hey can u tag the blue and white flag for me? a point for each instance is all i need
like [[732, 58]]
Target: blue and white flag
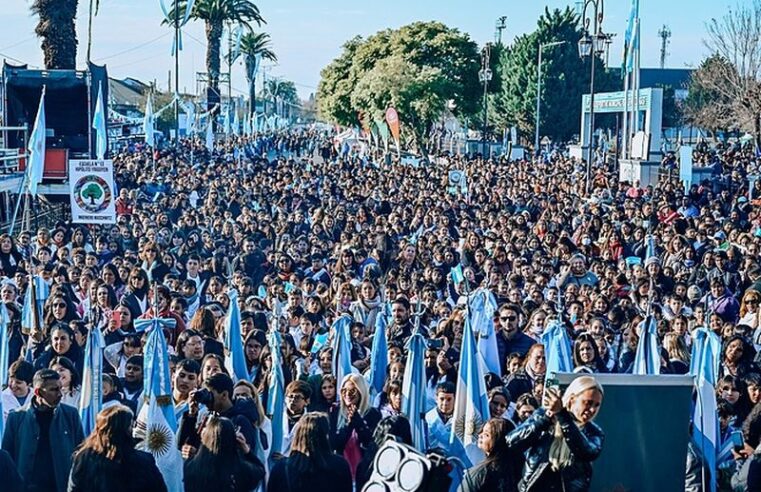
[[148, 122], [37, 148], [414, 390], [276, 393], [4, 355], [647, 360], [471, 408], [227, 124], [633, 48], [630, 30], [99, 125], [156, 421], [236, 122], [704, 365], [457, 275], [235, 358], [91, 397], [37, 295], [342, 348], [482, 307], [378, 355], [557, 349], [210, 135], [650, 251]]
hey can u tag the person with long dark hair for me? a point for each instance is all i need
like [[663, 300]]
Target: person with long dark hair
[[225, 462], [495, 473], [394, 427], [312, 466], [107, 460]]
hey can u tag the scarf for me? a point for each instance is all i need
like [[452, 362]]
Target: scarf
[[560, 454]]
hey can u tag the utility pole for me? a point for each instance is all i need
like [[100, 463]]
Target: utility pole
[[664, 34], [501, 26]]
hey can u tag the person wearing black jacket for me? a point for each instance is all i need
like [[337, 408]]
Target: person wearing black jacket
[[225, 462], [107, 461], [353, 422], [242, 412], [560, 440], [312, 466]]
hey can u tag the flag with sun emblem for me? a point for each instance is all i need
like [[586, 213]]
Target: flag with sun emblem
[[471, 408], [161, 442], [156, 423]]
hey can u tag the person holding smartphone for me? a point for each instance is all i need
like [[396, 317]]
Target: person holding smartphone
[[560, 439]]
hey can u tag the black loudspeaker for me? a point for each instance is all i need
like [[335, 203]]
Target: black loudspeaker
[[401, 468]]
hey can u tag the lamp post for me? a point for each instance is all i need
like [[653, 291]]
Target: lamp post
[[592, 44], [539, 90], [484, 75]]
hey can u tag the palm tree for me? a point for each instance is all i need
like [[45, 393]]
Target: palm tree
[[215, 13], [94, 6], [56, 27], [253, 45]]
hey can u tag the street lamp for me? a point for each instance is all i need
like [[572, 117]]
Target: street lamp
[[539, 90], [592, 44], [484, 75]]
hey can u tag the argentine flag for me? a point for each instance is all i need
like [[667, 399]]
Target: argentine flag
[[156, 421], [471, 408], [37, 148], [647, 360], [235, 359], [378, 355], [276, 394], [557, 349], [482, 309], [91, 397], [99, 125], [414, 390], [342, 348], [704, 365]]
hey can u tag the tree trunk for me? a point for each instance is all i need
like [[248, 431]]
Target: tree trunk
[[251, 83], [213, 40], [56, 27], [89, 31]]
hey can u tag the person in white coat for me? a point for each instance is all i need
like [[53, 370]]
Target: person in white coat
[[19, 390]]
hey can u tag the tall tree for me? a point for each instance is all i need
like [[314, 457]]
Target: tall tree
[[282, 90], [736, 38], [215, 13], [417, 68], [705, 106], [255, 45], [565, 78], [57, 29]]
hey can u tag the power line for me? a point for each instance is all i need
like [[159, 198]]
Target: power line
[[132, 49], [18, 43], [17, 60], [137, 61]]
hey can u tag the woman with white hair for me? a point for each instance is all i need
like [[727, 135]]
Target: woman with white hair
[[560, 440], [353, 422]]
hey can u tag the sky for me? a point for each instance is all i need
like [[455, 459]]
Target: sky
[[307, 34]]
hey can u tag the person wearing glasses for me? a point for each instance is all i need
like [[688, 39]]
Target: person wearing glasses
[[297, 398], [510, 339], [136, 294]]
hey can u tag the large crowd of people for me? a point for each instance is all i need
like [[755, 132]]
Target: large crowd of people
[[307, 231]]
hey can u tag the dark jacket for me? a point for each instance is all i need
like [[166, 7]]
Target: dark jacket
[[535, 436], [364, 425], [22, 433], [243, 414], [293, 474], [12, 481], [93, 472], [520, 343], [496, 477]]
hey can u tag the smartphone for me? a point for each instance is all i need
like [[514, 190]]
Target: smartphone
[[737, 441], [117, 317], [551, 382]]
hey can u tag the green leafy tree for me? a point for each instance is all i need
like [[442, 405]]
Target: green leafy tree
[[285, 90], [214, 13], [565, 78], [254, 44], [92, 192], [56, 26], [417, 69]]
